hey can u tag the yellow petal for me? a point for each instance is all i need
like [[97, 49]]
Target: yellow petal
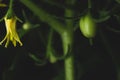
[[11, 34]]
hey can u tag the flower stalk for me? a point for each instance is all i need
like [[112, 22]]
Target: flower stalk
[[11, 4]]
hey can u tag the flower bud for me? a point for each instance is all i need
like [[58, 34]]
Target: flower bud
[[26, 26]]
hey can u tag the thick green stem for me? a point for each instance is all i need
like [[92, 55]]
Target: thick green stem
[[69, 62], [69, 68], [44, 16]]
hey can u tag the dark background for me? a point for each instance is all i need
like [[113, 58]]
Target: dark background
[[97, 62]]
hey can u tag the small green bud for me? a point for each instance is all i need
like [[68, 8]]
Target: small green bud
[[26, 26]]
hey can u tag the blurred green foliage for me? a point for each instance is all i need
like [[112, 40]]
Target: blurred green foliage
[[101, 61]]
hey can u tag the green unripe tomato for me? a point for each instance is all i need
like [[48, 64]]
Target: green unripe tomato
[[87, 26]]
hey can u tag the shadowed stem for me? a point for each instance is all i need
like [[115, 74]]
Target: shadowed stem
[[44, 16]]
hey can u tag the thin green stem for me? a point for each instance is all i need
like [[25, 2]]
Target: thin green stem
[[50, 50], [49, 41], [25, 17], [89, 4], [91, 41], [44, 16], [11, 4]]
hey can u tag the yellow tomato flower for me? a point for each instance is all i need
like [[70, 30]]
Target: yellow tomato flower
[[11, 34]]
